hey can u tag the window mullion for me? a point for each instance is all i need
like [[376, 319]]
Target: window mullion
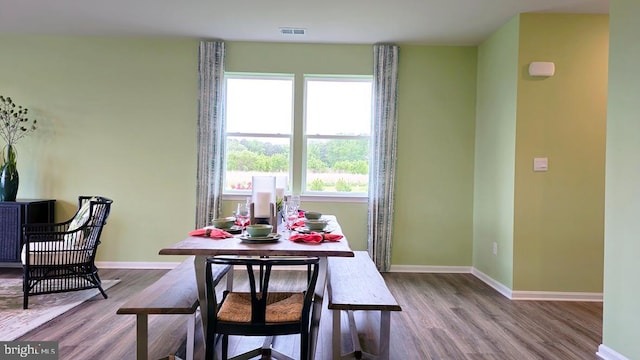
[[298, 144]]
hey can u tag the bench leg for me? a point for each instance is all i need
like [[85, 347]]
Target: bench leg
[[142, 336], [353, 331], [383, 344], [336, 343], [385, 324], [191, 330]]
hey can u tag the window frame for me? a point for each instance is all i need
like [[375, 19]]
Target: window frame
[[298, 138], [306, 137], [227, 134]]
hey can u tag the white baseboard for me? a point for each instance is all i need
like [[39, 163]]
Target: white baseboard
[[430, 269], [556, 296], [501, 288], [496, 285], [607, 353], [536, 295], [135, 265]]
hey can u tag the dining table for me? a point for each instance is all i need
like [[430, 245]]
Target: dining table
[[203, 247]]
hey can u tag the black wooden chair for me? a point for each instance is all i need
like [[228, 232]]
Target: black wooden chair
[[59, 257], [260, 312]]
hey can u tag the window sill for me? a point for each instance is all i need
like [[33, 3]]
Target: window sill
[[311, 198]]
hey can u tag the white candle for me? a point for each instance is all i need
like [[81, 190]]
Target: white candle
[[262, 205], [279, 193]]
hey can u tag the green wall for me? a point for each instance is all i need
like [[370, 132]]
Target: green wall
[[548, 226], [117, 118], [559, 214], [495, 146], [434, 179], [621, 329]]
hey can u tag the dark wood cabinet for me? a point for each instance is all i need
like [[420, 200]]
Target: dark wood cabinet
[[13, 214]]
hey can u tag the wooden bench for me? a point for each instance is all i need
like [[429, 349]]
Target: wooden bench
[[176, 292], [355, 284]]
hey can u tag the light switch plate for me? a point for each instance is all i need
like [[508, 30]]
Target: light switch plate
[[540, 164]]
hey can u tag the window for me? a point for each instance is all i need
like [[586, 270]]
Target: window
[[337, 132], [259, 117], [330, 137]]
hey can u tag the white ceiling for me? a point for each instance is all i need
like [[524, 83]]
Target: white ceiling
[[434, 22]]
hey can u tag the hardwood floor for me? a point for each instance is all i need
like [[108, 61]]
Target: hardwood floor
[[445, 316], [456, 316]]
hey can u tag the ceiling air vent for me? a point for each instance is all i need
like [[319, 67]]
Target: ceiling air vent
[[292, 31]]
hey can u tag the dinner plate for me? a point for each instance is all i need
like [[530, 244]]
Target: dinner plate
[[306, 230], [235, 229], [260, 239]]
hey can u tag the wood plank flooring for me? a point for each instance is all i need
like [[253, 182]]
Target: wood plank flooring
[[445, 316]]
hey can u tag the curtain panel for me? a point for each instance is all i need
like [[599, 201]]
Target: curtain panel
[[383, 154], [210, 132]]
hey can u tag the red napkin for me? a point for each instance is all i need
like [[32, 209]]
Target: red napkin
[[332, 237], [313, 238], [299, 223], [211, 233]]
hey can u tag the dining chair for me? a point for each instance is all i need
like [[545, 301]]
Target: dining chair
[[260, 311]]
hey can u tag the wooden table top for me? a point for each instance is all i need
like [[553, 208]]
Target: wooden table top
[[235, 246]]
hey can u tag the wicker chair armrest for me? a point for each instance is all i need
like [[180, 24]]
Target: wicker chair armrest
[[44, 228]]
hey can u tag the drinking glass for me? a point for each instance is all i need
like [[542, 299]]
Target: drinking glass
[[291, 215], [243, 215], [295, 201]]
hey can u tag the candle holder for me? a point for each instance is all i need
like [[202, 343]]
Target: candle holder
[[263, 200]]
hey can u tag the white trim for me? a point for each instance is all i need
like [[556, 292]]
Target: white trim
[[135, 265], [606, 353], [429, 269], [498, 286], [333, 197], [536, 295], [556, 296], [330, 197]]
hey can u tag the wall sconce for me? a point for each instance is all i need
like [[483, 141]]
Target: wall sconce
[[540, 68]]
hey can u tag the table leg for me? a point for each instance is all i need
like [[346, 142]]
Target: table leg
[[142, 336], [316, 311], [230, 280]]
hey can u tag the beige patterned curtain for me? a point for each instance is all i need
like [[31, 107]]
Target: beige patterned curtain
[[383, 154], [210, 132]]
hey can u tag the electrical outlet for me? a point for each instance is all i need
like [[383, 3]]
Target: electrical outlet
[[495, 248]]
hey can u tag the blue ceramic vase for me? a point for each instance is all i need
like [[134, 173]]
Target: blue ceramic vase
[[9, 175]]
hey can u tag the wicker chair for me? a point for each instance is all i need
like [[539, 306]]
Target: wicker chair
[[59, 257], [260, 312]]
